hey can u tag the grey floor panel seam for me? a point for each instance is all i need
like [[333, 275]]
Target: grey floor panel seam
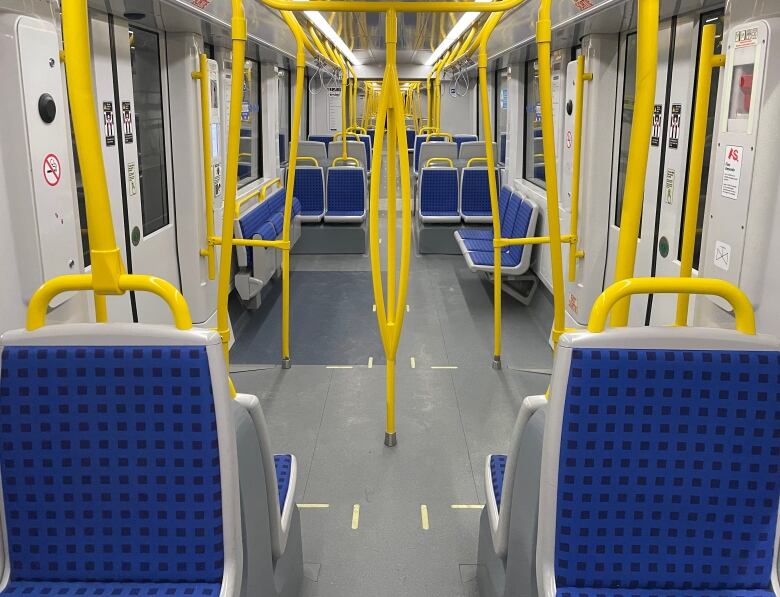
[[317, 437], [465, 437]]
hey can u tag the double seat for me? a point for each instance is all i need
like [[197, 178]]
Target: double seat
[[518, 216], [329, 187], [263, 221]]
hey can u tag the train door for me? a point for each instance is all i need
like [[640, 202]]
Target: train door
[[623, 121], [666, 259], [130, 78]]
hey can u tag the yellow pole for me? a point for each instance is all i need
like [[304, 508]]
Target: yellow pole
[[707, 61], [300, 73], [344, 99], [429, 98], [107, 264], [543, 39], [490, 25], [574, 252], [437, 90], [202, 75], [633, 198], [238, 34]]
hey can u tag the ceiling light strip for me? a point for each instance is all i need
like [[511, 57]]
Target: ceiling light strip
[[465, 21], [320, 23]]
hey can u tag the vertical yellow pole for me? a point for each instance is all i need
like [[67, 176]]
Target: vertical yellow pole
[[429, 97], [202, 75], [238, 34], [490, 25], [106, 259], [574, 252], [639, 147], [707, 61], [344, 100], [543, 39]]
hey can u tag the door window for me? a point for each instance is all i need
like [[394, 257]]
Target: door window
[[149, 131], [283, 79], [501, 111], [629, 88], [715, 18], [533, 168], [249, 151]]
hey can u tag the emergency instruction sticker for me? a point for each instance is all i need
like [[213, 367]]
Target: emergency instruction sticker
[[732, 171], [658, 111], [674, 126], [109, 127]]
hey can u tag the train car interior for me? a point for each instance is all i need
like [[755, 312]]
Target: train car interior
[[351, 298]]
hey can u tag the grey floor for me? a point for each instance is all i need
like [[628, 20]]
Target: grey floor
[[452, 410]]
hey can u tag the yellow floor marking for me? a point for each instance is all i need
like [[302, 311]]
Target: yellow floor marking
[[374, 308], [424, 517], [412, 362], [370, 362], [445, 367], [407, 308], [338, 366], [467, 506], [355, 516], [313, 506]]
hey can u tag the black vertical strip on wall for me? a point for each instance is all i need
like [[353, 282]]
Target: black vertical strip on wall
[[662, 163], [120, 147]]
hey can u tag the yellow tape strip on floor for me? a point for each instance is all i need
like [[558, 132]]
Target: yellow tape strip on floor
[[355, 516], [424, 517], [312, 506]]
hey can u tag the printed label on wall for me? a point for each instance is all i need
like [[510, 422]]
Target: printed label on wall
[[732, 172], [674, 126], [109, 127], [722, 255], [658, 111], [132, 179], [669, 186], [127, 122]]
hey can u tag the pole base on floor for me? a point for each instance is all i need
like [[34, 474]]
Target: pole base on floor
[[390, 439], [286, 363], [496, 363]]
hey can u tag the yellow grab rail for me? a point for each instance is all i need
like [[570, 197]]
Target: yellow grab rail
[[346, 159], [447, 136], [244, 199], [307, 158], [447, 161], [707, 61], [574, 252], [202, 75], [475, 160], [347, 134], [426, 130], [39, 303], [263, 190], [639, 147], [612, 296], [355, 129]]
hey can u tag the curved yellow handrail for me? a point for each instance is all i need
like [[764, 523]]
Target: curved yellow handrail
[[307, 158], [39, 303], [438, 134], [743, 309], [428, 129], [357, 130], [347, 134], [347, 159], [447, 161], [477, 159], [263, 190]]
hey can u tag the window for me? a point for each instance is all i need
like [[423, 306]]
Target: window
[[501, 111], [149, 132], [283, 82], [706, 19], [81, 203], [629, 87], [533, 166], [249, 148]]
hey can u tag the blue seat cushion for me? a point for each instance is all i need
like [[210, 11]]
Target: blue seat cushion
[[669, 470], [439, 192], [475, 192], [486, 258], [110, 464], [478, 244], [497, 469], [476, 234], [345, 212], [109, 589], [283, 465]]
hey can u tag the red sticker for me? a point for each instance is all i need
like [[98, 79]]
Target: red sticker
[[52, 171]]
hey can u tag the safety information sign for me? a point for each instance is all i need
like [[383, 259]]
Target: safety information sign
[[109, 127], [658, 111], [732, 172], [52, 171], [674, 126], [722, 255], [127, 122], [669, 186]]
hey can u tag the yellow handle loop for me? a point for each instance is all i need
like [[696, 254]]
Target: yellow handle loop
[[743, 309], [307, 158], [475, 160], [347, 135], [263, 190], [439, 134], [433, 161], [347, 159]]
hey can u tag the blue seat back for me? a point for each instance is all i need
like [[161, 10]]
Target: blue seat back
[[346, 190], [475, 192], [509, 215], [310, 189], [410, 135], [668, 475], [252, 220], [439, 191], [502, 148], [367, 141], [520, 226], [463, 139], [110, 464], [326, 139]]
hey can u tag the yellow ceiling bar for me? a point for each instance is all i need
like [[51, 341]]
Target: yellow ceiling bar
[[395, 6]]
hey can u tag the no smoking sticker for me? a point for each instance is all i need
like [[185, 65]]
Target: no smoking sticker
[[52, 171]]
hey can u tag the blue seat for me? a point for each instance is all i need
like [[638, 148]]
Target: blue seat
[[657, 469], [463, 139], [475, 195], [418, 141], [410, 135], [438, 195], [283, 464], [466, 234], [326, 139], [346, 194], [367, 141], [310, 192], [497, 464]]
